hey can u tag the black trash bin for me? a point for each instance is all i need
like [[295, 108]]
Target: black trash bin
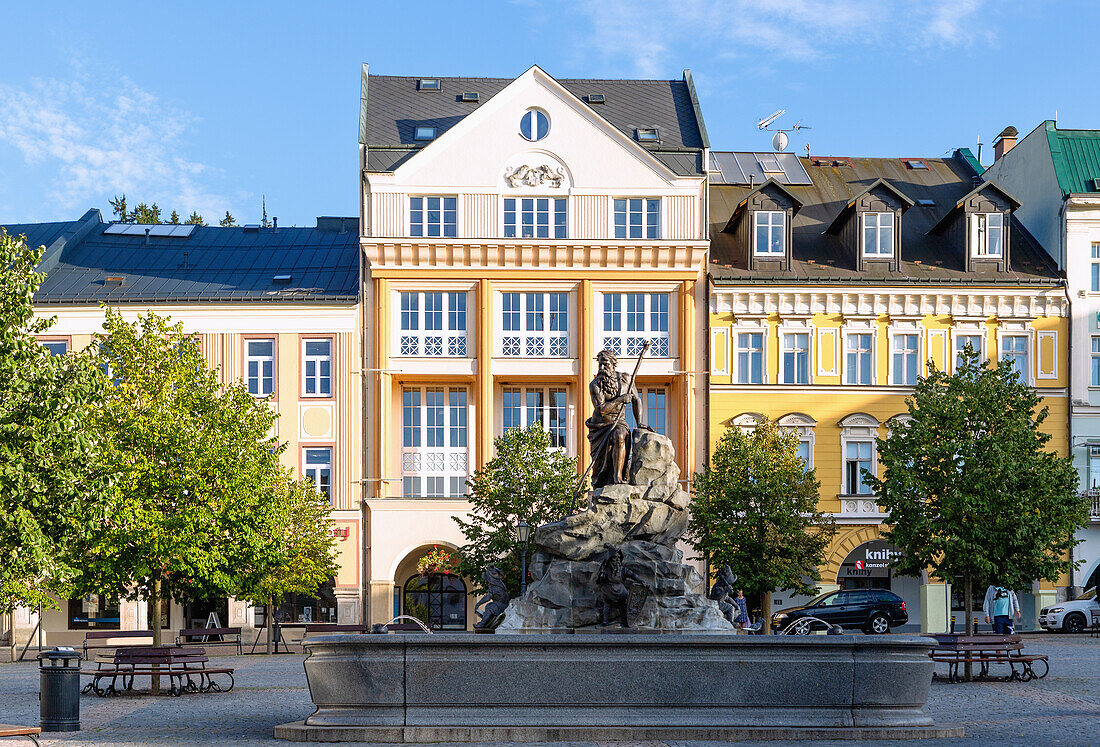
[[59, 690]]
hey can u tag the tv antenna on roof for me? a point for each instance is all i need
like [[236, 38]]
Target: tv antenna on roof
[[779, 139]]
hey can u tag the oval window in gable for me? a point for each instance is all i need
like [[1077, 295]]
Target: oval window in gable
[[534, 125]]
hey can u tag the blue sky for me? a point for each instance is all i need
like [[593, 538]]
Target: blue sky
[[207, 106]]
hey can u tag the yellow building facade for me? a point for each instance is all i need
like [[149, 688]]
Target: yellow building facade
[[829, 339], [502, 250]]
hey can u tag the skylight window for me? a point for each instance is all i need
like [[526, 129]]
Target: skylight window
[[424, 133], [596, 98], [429, 84], [915, 163], [926, 203], [473, 96], [647, 135], [769, 163]]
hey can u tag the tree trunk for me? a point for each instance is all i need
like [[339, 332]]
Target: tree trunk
[[766, 612], [268, 621], [154, 601], [968, 605]]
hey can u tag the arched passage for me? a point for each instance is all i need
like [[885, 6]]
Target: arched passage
[[440, 600]]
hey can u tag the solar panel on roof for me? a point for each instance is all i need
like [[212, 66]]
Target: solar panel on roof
[[140, 229]]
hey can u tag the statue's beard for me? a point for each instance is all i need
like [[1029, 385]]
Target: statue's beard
[[607, 383]]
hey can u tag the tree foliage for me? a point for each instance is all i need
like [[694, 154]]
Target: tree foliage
[[971, 488], [525, 480], [52, 478], [194, 507], [150, 214], [755, 510], [228, 221]]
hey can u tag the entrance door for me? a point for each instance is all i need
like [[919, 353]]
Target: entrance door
[[436, 599]]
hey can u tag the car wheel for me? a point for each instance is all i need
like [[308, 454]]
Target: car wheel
[[1074, 623], [801, 627], [878, 624]]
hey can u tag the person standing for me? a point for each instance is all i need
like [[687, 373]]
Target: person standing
[[742, 607], [1000, 605]]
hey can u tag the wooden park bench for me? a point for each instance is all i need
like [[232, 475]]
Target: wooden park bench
[[180, 664], [11, 730], [227, 635], [323, 628], [106, 635], [984, 650]]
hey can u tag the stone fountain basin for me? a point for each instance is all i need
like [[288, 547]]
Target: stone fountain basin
[[533, 687]]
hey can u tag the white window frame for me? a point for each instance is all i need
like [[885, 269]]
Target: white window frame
[[445, 462], [785, 332], [858, 428], [648, 207], [1092, 476], [425, 226], [802, 426], [849, 333], [434, 343], [648, 411], [626, 342], [1094, 267], [259, 360], [317, 376], [980, 228], [518, 226], [568, 412], [738, 374], [1094, 361], [966, 331], [771, 227], [893, 372], [525, 342], [880, 231], [315, 472], [1029, 351]]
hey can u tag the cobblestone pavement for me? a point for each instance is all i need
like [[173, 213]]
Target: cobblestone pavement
[[1064, 708]]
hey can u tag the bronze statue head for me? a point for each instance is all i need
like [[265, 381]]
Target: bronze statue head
[[607, 361]]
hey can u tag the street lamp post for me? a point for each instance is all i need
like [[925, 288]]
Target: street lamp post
[[523, 533]]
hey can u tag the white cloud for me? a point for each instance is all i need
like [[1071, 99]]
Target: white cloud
[[648, 31], [105, 138]]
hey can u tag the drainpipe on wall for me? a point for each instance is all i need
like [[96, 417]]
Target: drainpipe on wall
[[1069, 415]]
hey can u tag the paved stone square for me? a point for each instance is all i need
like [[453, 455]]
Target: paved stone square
[[1064, 708]]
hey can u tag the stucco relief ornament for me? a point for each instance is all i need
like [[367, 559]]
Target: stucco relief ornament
[[527, 176]]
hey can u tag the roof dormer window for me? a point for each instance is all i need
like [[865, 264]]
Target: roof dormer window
[[770, 233], [424, 133], [987, 234], [878, 234]]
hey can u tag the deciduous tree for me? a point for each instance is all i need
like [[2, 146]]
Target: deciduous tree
[[194, 463], [52, 478], [525, 480], [972, 489], [756, 510]]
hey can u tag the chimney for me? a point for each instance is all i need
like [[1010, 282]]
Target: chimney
[[1005, 142]]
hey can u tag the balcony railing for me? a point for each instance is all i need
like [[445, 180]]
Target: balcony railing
[[1094, 505]]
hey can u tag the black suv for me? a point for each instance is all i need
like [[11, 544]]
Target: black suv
[[873, 610]]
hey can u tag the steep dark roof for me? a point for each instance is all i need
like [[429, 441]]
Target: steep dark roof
[[819, 256], [212, 264], [394, 108]]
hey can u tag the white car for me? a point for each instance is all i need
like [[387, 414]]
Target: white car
[[1070, 617]]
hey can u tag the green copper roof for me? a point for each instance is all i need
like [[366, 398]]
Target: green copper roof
[[1076, 156]]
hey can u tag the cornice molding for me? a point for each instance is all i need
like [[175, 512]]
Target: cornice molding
[[534, 255], [960, 303]]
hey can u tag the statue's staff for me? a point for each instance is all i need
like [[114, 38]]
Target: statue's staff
[[630, 388]]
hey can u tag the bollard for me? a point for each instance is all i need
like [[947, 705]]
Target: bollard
[[59, 690]]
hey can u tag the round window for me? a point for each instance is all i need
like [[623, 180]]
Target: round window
[[534, 125]]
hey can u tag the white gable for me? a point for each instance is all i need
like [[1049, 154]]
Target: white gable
[[486, 152]]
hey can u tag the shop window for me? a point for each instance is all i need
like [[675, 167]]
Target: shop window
[[94, 612]]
